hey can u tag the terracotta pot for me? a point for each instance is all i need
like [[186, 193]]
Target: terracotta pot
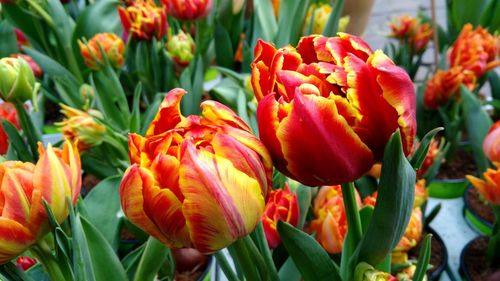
[[477, 222]]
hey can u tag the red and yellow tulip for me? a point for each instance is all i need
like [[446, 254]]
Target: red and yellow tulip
[[188, 9], [444, 85], [23, 187], [475, 50], [411, 29], [330, 221], [7, 112], [491, 143], [413, 232], [281, 205], [327, 108], [112, 46], [196, 181], [37, 70], [489, 188], [144, 20]]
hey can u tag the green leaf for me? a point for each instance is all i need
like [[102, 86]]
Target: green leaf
[[17, 142], [289, 271], [8, 44], [393, 209], [304, 196], [477, 123], [38, 273], [423, 259], [153, 258], [310, 258], [418, 156], [291, 17], [104, 10], [491, 17], [9, 271], [265, 22], [224, 52], [95, 254], [332, 25], [494, 80], [131, 261], [466, 11], [102, 204], [135, 115]]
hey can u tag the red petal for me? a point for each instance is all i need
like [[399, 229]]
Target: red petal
[[169, 113]]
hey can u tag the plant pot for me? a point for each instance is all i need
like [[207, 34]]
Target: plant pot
[[447, 188], [439, 254], [473, 263], [477, 214]]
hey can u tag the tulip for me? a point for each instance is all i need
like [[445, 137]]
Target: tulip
[[421, 194], [413, 232], [489, 188], [144, 20], [330, 221], [181, 48], [366, 272], [81, 127], [188, 9], [431, 156], [25, 262], [281, 205], [318, 14], [18, 81], [196, 181], [327, 108], [21, 39], [112, 46], [475, 50], [37, 70], [23, 187], [491, 143], [411, 30], [7, 112], [445, 85]]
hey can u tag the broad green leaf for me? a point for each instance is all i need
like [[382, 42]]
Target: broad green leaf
[[153, 258], [131, 261], [423, 259], [135, 115], [291, 15], [390, 218], [38, 273], [17, 142], [332, 25], [418, 156], [8, 44], [265, 22], [102, 204], [289, 271], [477, 123], [9, 271], [304, 197], [466, 11], [109, 21], [491, 17], [494, 80], [224, 52], [310, 258]]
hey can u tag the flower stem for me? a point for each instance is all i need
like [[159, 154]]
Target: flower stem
[[352, 213], [29, 129], [225, 266], [43, 253], [245, 260], [41, 12], [266, 253]]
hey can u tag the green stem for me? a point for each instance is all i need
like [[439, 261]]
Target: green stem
[[245, 260], [29, 129], [225, 266], [113, 141], [266, 253], [43, 253], [41, 12], [352, 214], [264, 269], [493, 252]]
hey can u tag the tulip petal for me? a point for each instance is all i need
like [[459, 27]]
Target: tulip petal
[[17, 186], [220, 114], [14, 239], [314, 123], [221, 203], [169, 113], [261, 81], [330, 236]]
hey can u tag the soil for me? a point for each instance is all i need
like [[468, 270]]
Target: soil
[[438, 255], [474, 261], [479, 206], [462, 164]]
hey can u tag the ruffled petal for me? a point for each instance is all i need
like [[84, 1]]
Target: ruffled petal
[[169, 113]]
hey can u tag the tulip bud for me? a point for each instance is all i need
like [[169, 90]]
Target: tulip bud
[[188, 9], [318, 14], [489, 188], [281, 205], [181, 48], [112, 47], [413, 232], [81, 127], [21, 39], [7, 112], [144, 20], [34, 66], [18, 82], [87, 93], [366, 272], [491, 143], [25, 262]]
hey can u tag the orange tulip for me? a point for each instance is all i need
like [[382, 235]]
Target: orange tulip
[[7, 112], [411, 29], [421, 194], [144, 20], [413, 232], [112, 46], [489, 188], [281, 205], [491, 143], [188, 9], [330, 221], [23, 187], [445, 84], [330, 100], [475, 50], [197, 182]]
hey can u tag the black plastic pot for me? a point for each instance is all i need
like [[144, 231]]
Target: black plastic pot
[[436, 274], [475, 221]]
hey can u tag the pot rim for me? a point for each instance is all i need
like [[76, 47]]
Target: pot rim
[[468, 208], [442, 267], [461, 269]]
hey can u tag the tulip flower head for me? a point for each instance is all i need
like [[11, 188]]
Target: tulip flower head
[[413, 232], [366, 272], [81, 127], [491, 143], [18, 82], [489, 188], [328, 107], [445, 84], [188, 9], [330, 221], [197, 182], [23, 187], [37, 70], [21, 38], [181, 48], [7, 112], [281, 205], [475, 50], [25, 262], [411, 30], [318, 14], [144, 20], [112, 46], [421, 194]]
